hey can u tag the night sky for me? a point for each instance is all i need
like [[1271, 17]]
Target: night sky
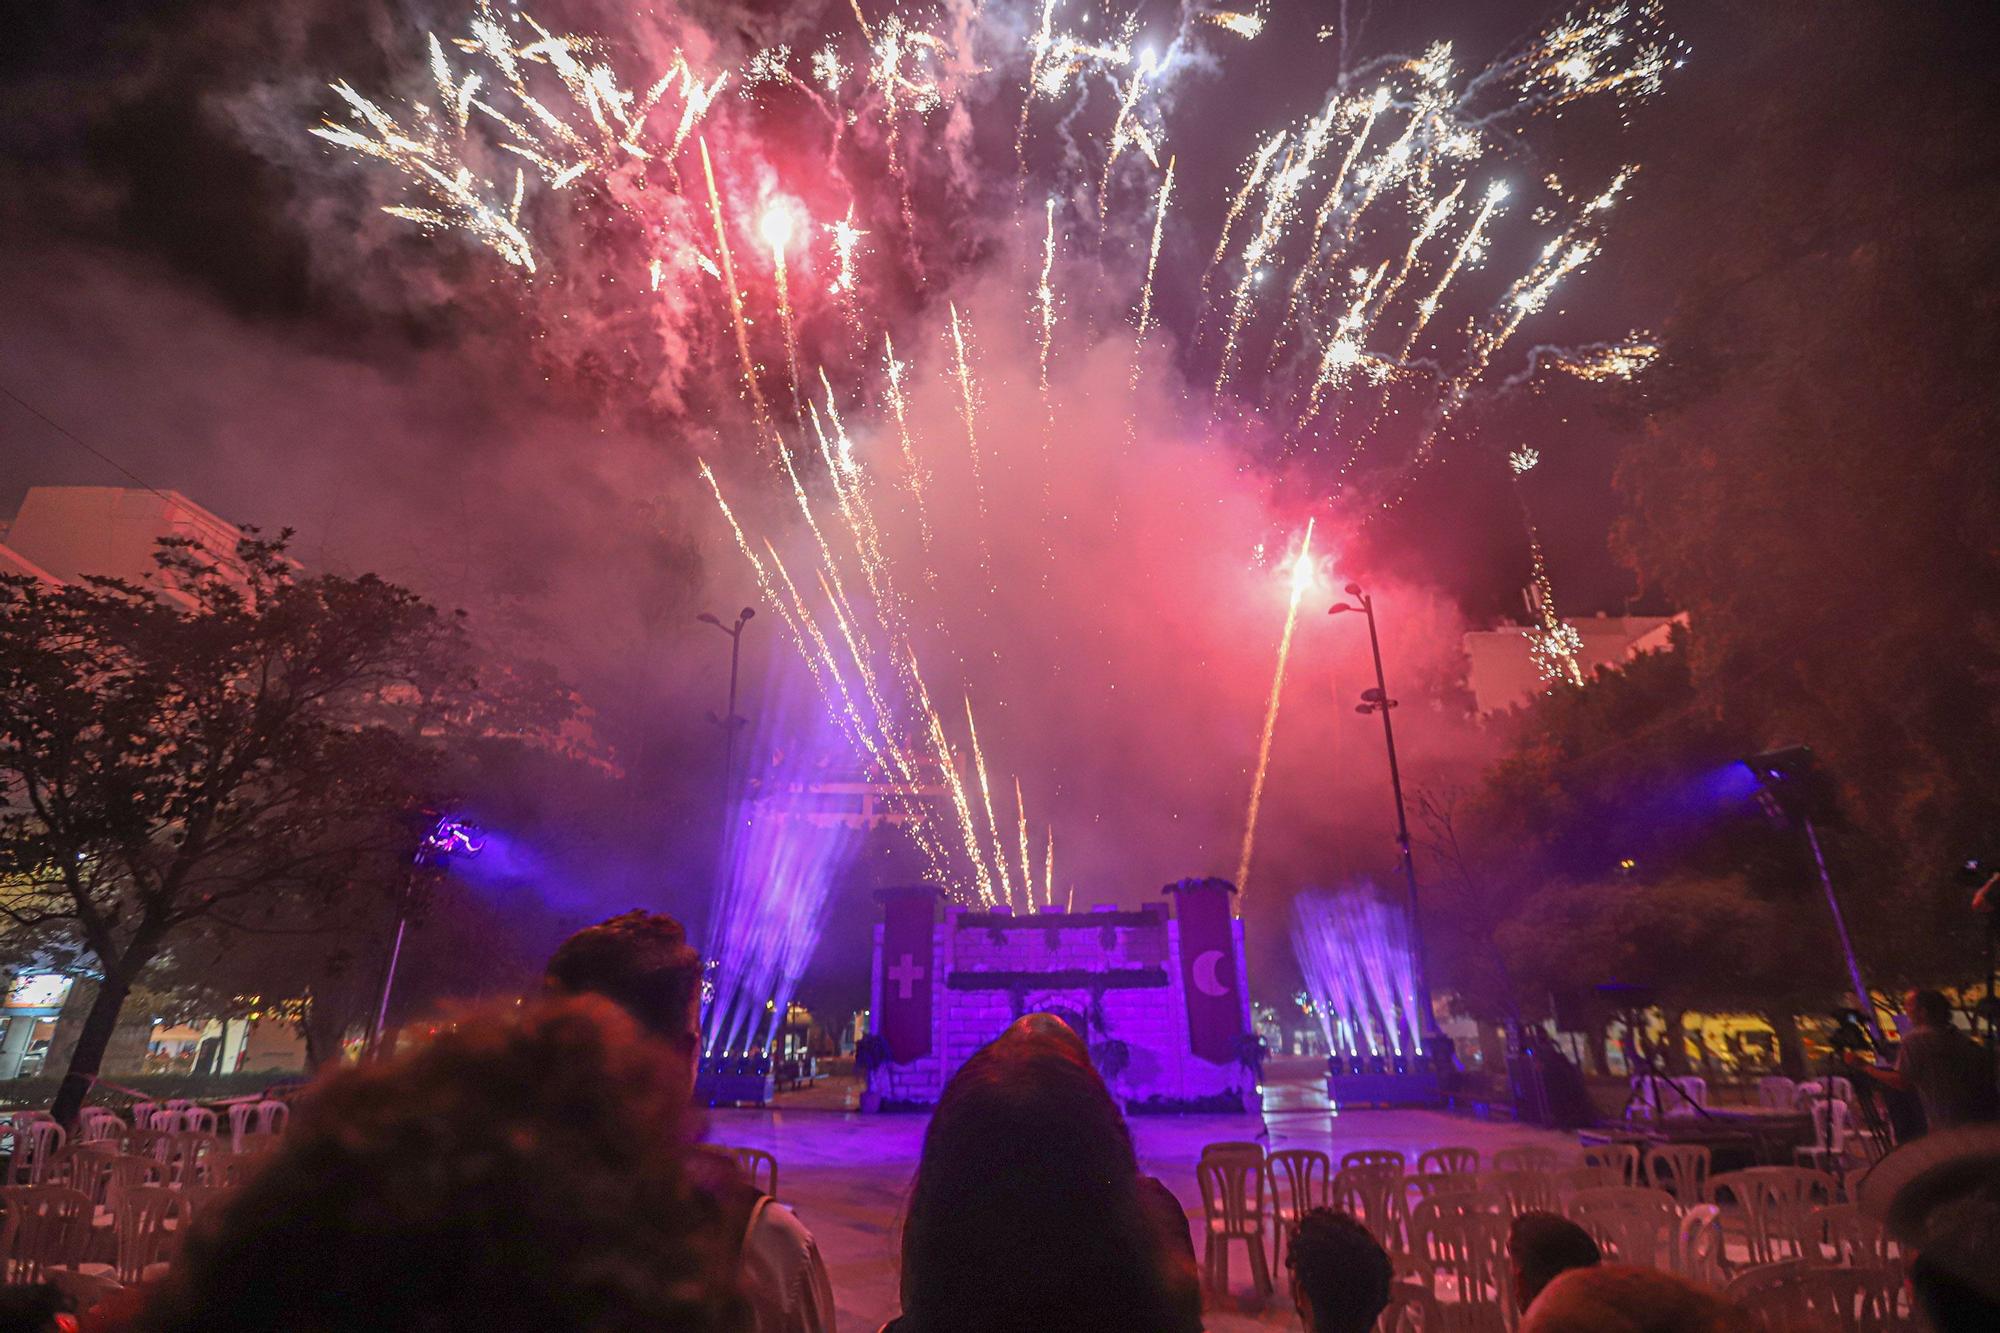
[[208, 297]]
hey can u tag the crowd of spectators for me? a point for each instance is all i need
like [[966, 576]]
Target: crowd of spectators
[[537, 1167]]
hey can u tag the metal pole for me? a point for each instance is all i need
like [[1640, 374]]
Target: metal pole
[[729, 721], [381, 1023], [1861, 992], [1402, 830]]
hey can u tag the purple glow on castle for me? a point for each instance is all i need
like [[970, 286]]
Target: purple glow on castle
[[1355, 953], [780, 863]]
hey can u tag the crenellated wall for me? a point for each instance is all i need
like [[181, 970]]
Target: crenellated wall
[[1115, 972]]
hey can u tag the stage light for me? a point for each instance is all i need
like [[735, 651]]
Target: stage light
[[1791, 784]]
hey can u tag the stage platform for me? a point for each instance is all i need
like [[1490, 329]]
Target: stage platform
[[848, 1174]]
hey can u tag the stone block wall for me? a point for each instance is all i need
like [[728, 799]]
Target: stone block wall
[[992, 967]]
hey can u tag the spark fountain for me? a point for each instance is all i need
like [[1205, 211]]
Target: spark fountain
[[1354, 951], [781, 859]]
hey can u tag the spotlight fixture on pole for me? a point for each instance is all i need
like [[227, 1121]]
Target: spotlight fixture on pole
[[1793, 789], [447, 838], [1377, 700]]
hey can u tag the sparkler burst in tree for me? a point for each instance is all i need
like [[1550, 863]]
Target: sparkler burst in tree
[[786, 242]]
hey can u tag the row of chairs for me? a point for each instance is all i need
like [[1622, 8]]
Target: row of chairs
[[52, 1231], [108, 1210], [1446, 1221], [39, 1141]]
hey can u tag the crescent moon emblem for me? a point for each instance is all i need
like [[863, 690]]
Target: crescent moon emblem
[[1205, 979]]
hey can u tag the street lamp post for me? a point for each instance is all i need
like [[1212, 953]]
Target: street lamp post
[[729, 722], [1377, 700]]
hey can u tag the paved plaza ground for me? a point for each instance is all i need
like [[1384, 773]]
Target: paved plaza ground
[[848, 1174]]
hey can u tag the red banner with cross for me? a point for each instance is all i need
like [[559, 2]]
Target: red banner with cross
[[906, 964], [1208, 967]]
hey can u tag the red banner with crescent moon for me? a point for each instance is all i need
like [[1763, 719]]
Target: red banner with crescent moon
[[1209, 973], [906, 964]]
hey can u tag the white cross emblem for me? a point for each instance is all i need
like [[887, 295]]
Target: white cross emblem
[[904, 974]]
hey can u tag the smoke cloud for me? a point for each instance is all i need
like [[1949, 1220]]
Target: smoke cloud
[[1108, 593]]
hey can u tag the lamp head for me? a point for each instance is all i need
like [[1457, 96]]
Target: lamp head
[[708, 619], [747, 613], [1353, 590]]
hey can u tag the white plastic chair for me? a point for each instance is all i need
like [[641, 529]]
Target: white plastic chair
[[1692, 1093], [1232, 1203], [152, 1220], [1301, 1179], [37, 1142], [1378, 1196], [1527, 1159], [1843, 1088], [48, 1227], [248, 1120], [197, 1120], [1698, 1255], [1524, 1191], [1803, 1294], [1775, 1092], [1633, 1226], [1828, 1149], [99, 1123], [1437, 1161], [1772, 1207], [1622, 1157], [1681, 1169], [1853, 1237], [1460, 1243]]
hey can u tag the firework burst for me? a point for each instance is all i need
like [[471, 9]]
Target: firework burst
[[1378, 261]]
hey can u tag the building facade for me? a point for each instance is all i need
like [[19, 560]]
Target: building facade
[[1501, 667]]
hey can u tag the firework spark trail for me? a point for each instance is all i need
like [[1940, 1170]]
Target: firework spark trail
[[1038, 47], [1335, 192], [1468, 245], [588, 139], [845, 287], [1561, 257], [1302, 581], [961, 804], [845, 473], [968, 407], [1280, 194], [839, 587], [986, 800], [1045, 316], [1122, 132], [1027, 862], [1146, 291], [1260, 164], [913, 468], [1244, 24], [883, 752], [824, 668], [758, 407], [777, 230], [1345, 352]]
